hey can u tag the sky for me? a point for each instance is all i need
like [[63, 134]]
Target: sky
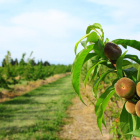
[[51, 28]]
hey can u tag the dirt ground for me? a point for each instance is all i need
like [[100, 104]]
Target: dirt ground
[[81, 125]]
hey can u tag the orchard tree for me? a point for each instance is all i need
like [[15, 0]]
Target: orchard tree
[[46, 63], [127, 84], [3, 62]]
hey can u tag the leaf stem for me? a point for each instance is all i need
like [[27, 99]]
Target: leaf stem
[[113, 63], [99, 35]]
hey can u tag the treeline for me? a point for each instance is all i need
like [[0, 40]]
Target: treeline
[[12, 72], [16, 62]]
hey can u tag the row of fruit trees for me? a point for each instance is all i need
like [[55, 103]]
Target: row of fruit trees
[[25, 70]]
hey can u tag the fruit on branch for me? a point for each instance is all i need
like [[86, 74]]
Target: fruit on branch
[[112, 51], [130, 107], [125, 88], [138, 89], [137, 108]]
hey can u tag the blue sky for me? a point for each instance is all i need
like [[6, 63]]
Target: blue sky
[[50, 28]]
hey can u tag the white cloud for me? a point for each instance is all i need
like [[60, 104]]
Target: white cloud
[[121, 10], [53, 22], [48, 34], [15, 32]]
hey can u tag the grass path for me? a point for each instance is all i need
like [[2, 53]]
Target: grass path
[[36, 115]]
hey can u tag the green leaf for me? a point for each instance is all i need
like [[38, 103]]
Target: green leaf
[[84, 43], [131, 73], [126, 42], [93, 37], [107, 40], [92, 27], [134, 120], [133, 57], [99, 49], [90, 70], [93, 87], [108, 64], [76, 45], [103, 121], [113, 83], [99, 80], [76, 69], [126, 63], [101, 109], [138, 123], [138, 75], [102, 97], [126, 122], [89, 64], [135, 133], [96, 71], [119, 64], [89, 56]]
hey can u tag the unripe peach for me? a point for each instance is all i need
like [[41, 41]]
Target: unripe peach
[[125, 88], [137, 108], [130, 107], [112, 51], [138, 89]]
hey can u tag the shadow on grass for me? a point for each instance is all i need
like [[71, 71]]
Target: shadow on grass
[[26, 129], [17, 115], [47, 94], [49, 125]]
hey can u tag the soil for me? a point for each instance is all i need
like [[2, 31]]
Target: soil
[[81, 123]]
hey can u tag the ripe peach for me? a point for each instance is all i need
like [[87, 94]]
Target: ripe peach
[[112, 51], [125, 88], [130, 107], [138, 89], [137, 108]]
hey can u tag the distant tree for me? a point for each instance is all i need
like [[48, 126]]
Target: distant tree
[[3, 62], [8, 58], [22, 61], [32, 62], [38, 63], [16, 61], [46, 63], [12, 62]]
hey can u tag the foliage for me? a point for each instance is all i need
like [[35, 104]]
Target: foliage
[[93, 51], [11, 73]]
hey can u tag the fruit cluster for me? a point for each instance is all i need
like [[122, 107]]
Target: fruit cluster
[[127, 89], [124, 87]]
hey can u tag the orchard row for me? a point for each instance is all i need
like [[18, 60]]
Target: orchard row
[[13, 74]]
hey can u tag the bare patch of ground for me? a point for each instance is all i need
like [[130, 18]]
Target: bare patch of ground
[[6, 95], [82, 125]]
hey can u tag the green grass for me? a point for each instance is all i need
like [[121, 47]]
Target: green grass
[[36, 115]]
